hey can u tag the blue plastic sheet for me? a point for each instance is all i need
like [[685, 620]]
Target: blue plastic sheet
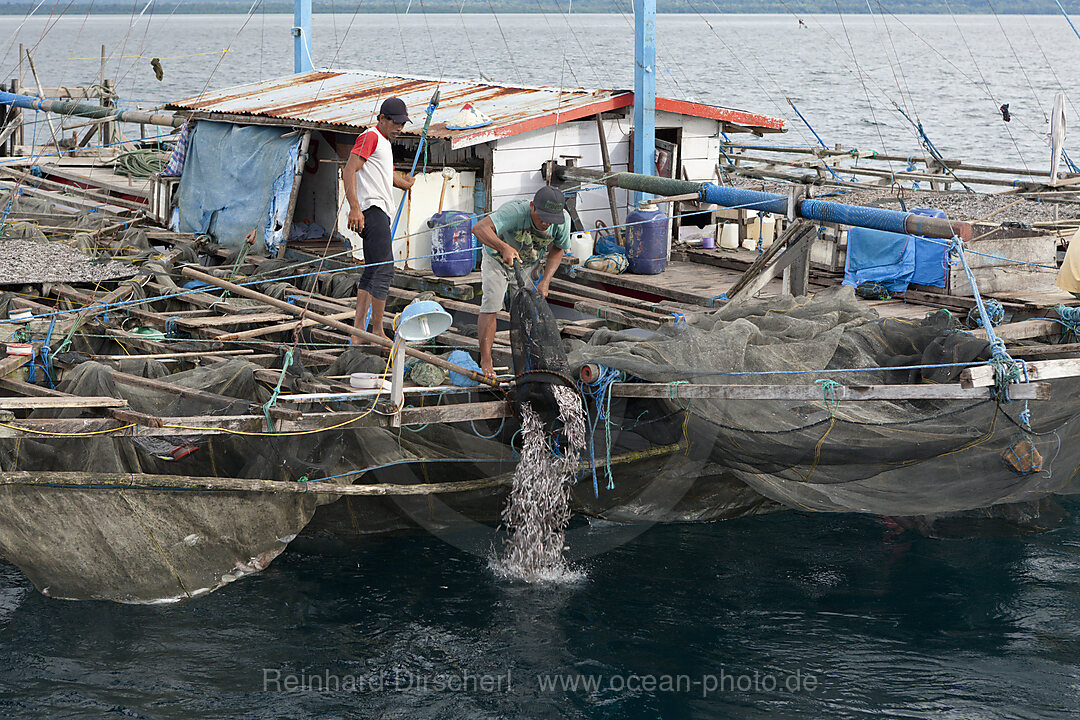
[[237, 178], [894, 260], [464, 359], [881, 257]]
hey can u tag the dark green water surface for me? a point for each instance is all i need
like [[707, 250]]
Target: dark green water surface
[[780, 616]]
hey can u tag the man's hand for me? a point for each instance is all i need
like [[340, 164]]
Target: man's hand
[[509, 255], [543, 287], [403, 181], [356, 220]]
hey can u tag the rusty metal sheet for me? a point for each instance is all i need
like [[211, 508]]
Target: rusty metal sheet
[[349, 99]]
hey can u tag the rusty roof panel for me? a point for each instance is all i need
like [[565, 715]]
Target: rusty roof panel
[[350, 99]]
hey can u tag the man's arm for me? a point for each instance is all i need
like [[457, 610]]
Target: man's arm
[[348, 179], [403, 181], [485, 233], [554, 259]]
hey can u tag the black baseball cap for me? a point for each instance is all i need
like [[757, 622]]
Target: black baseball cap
[[394, 108], [549, 203]]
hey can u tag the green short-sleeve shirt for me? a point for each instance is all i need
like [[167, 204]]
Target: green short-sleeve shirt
[[513, 224]]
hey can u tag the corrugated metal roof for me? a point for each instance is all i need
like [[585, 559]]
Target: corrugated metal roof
[[349, 99]]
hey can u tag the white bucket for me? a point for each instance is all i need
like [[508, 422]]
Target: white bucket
[[729, 236], [368, 381], [581, 245]]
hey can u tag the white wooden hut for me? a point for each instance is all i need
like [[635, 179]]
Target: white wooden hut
[[497, 162]]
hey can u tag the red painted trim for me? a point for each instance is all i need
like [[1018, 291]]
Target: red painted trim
[[486, 134], [712, 112]]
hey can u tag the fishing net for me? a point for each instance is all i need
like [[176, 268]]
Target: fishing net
[[352, 453], [537, 349], [885, 457]]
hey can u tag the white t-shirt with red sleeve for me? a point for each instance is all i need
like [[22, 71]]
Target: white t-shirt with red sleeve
[[375, 179]]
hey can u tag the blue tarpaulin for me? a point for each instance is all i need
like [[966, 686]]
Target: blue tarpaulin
[[237, 178], [895, 260], [881, 257]]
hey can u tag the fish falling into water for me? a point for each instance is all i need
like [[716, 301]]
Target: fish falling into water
[[538, 508]]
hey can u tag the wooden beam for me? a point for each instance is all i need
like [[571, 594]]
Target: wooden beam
[[301, 160], [107, 481], [983, 375], [188, 425], [1027, 391], [776, 258], [39, 403], [461, 412], [1023, 330], [1026, 351]]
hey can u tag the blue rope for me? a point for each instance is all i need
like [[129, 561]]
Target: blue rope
[[46, 354], [1069, 162], [1067, 19], [820, 141], [1069, 317], [1006, 369], [599, 391], [994, 310]]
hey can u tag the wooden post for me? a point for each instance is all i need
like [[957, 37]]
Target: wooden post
[[797, 275], [107, 101], [41, 93], [305, 143], [606, 157]]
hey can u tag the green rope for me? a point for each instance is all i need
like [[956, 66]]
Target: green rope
[[240, 257], [141, 163], [277, 390], [673, 393], [828, 394]]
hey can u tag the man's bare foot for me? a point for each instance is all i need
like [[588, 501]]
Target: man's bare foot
[[488, 368]]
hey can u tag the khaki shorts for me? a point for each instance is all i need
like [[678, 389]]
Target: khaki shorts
[[495, 278]]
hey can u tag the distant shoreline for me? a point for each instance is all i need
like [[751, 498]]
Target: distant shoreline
[[746, 7]]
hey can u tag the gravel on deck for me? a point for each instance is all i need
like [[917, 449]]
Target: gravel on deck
[[33, 261]]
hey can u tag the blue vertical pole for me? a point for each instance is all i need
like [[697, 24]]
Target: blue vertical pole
[[302, 36], [644, 89]]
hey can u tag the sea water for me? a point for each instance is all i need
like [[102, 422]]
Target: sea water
[[793, 614]]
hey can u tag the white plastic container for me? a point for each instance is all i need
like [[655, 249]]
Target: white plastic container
[[768, 231], [729, 236], [581, 245], [752, 230], [368, 381]]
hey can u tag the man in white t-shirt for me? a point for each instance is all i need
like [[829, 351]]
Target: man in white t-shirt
[[369, 179]]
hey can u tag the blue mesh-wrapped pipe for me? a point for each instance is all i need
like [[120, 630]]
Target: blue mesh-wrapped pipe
[[747, 199], [866, 217], [818, 210], [88, 110], [824, 211]]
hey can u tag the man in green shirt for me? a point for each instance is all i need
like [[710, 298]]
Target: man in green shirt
[[524, 231]]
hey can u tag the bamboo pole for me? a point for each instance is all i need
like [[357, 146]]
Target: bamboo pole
[[301, 160], [48, 118], [379, 340], [100, 481]]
